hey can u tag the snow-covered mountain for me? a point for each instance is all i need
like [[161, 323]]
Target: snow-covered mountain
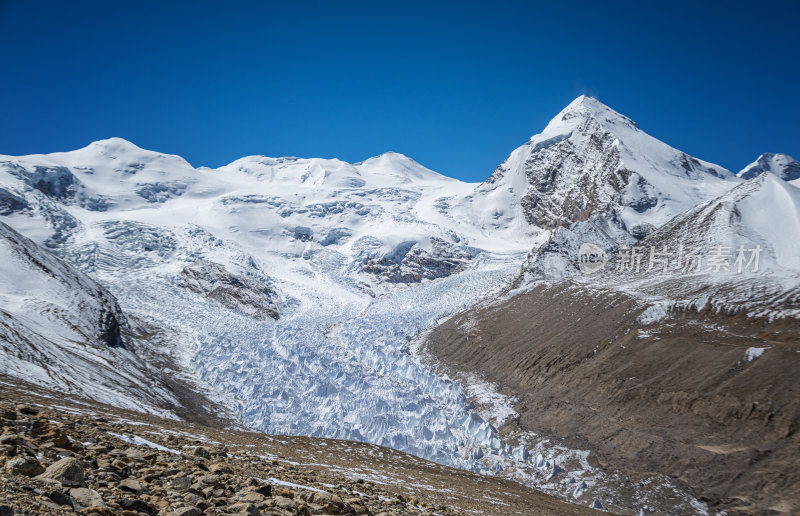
[[727, 252], [591, 160], [746, 215], [385, 216], [295, 290], [782, 165], [685, 337]]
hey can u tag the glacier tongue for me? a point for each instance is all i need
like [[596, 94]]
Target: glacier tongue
[[355, 260], [341, 366], [346, 254]]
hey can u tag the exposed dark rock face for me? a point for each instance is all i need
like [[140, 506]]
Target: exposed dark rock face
[[54, 181], [160, 192], [249, 296], [409, 263], [782, 165], [558, 195], [112, 333], [11, 203]]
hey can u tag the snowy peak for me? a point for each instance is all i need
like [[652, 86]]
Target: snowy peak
[[782, 165], [591, 160], [103, 175], [393, 166], [313, 172], [112, 153], [583, 109], [114, 146], [736, 251], [390, 169], [390, 158]]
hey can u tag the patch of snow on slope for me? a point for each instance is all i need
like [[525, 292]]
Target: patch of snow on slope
[[654, 313], [497, 408], [753, 353], [141, 441]]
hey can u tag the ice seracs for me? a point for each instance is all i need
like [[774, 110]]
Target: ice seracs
[[296, 266]]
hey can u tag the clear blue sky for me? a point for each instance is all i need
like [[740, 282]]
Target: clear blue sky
[[454, 85]]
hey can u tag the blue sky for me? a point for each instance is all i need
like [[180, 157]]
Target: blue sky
[[456, 86]]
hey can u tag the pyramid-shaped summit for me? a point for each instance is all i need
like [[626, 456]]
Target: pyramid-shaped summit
[[592, 160]]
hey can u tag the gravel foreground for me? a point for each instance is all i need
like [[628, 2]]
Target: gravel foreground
[[59, 455]]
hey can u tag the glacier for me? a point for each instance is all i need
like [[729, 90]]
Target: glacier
[[358, 260]]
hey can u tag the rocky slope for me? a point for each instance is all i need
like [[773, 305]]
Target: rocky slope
[[707, 399], [77, 456], [61, 329]]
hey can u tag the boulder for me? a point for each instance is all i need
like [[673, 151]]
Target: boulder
[[27, 410], [68, 471], [57, 437], [220, 468], [11, 439], [133, 485], [181, 482], [244, 508], [25, 466], [100, 511], [285, 503], [60, 498], [263, 489], [134, 505], [87, 497], [187, 511], [202, 451], [251, 497]]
